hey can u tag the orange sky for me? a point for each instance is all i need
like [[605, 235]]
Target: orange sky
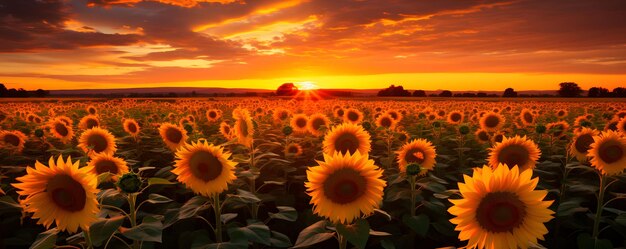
[[446, 44]]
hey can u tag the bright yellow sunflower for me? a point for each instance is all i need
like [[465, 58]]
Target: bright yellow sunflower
[[385, 120], [345, 186], [527, 117], [299, 123], [316, 122], [12, 140], [482, 136], [347, 137], [621, 126], [97, 140], [102, 163], [557, 129], [173, 136], [213, 115], [420, 151], [88, 122], [226, 130], [60, 193], [353, 116], [204, 168], [455, 117], [61, 130], [293, 149], [500, 209], [92, 110], [608, 153], [281, 115], [581, 143], [131, 127], [492, 122], [515, 151], [244, 129]]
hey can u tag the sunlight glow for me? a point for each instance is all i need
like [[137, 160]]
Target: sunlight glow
[[306, 85]]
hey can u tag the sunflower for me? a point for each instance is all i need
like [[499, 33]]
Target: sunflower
[[621, 126], [281, 115], [61, 130], [492, 122], [204, 168], [455, 117], [527, 117], [557, 129], [131, 127], [174, 136], [97, 140], [608, 153], [103, 163], [338, 113], [500, 209], [347, 137], [562, 113], [88, 122], [515, 151], [226, 130], [293, 149], [244, 128], [611, 125], [92, 110], [213, 115], [581, 143], [395, 115], [385, 120], [345, 186], [299, 123], [316, 123], [60, 193], [403, 136], [419, 151], [353, 116], [13, 140]]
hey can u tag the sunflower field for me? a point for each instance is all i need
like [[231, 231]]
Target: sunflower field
[[285, 173]]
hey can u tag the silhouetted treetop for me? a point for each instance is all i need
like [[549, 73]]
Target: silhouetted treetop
[[569, 90]]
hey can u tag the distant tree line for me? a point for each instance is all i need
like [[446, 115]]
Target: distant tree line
[[21, 93], [566, 90]]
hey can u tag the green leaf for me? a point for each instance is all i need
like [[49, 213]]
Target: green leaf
[[9, 202], [383, 212], [157, 198], [285, 213], [193, 206], [150, 229], [387, 244], [419, 223], [279, 240], [225, 218], [104, 177], [45, 239], [255, 232], [570, 207], [245, 197], [586, 241], [102, 230], [313, 234], [357, 233], [159, 181]]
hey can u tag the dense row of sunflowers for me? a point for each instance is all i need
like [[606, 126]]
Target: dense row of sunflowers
[[185, 173]]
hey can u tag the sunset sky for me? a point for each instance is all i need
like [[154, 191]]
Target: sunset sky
[[442, 44]]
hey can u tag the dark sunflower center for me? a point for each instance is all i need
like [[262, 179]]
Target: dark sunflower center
[[132, 127], [558, 130], [455, 117], [394, 115], [611, 152], [226, 129], [492, 121], [612, 126], [301, 122], [12, 139], [205, 166], [513, 155], [347, 142], [66, 193], [415, 155], [500, 212], [385, 122], [244, 127], [212, 114], [106, 166], [340, 113], [483, 136], [174, 135], [353, 116], [91, 123], [402, 137], [528, 117], [293, 149], [61, 129], [317, 123], [498, 138], [344, 186], [98, 142], [283, 115], [441, 113], [92, 111], [561, 113], [583, 143]]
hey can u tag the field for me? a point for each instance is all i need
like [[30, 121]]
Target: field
[[343, 173]]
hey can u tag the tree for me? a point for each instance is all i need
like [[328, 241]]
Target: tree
[[598, 92], [445, 93], [619, 92], [287, 89], [509, 93], [419, 93], [3, 90], [394, 91], [40, 93], [569, 90]]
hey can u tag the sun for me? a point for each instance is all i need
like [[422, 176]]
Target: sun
[[306, 85]]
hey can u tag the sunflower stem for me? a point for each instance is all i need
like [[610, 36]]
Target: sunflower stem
[[88, 239], [343, 242], [132, 199], [413, 193], [596, 223], [218, 218]]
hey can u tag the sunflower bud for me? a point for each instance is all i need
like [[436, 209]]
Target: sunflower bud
[[367, 125], [541, 129], [464, 129], [129, 183], [287, 130], [39, 133], [413, 169]]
